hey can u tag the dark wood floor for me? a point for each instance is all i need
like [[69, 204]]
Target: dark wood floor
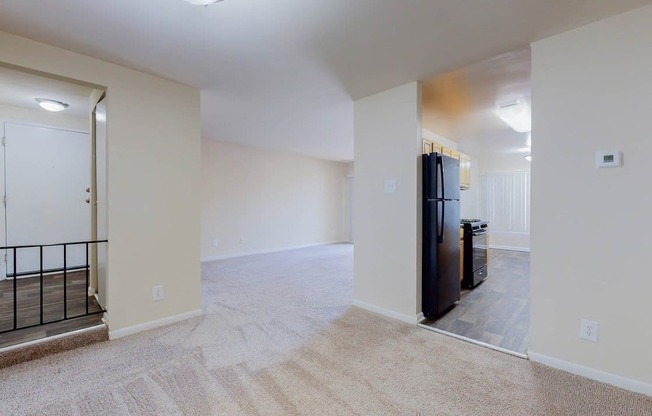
[[28, 307], [497, 311]]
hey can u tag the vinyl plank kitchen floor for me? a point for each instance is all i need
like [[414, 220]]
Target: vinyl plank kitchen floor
[[497, 311]]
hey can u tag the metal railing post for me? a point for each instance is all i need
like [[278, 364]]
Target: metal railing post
[[65, 283], [15, 293], [41, 281], [87, 278]]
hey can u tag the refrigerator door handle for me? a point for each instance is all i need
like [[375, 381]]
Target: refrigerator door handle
[[440, 227], [440, 162]]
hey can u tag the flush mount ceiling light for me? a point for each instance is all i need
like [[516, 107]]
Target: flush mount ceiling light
[[203, 2], [51, 105], [517, 115]]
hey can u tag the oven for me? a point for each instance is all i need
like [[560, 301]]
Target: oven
[[479, 248], [475, 250]]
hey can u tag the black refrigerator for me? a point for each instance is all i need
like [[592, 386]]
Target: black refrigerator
[[441, 234]]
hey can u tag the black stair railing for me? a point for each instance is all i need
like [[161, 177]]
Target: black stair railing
[[43, 274]]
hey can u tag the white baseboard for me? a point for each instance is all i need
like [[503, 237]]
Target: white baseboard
[[580, 370], [119, 333], [267, 251], [386, 312], [510, 248], [420, 317]]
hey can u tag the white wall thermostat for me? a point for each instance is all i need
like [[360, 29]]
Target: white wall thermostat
[[608, 159]]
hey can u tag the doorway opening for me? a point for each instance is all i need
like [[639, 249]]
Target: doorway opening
[[480, 117], [51, 187]]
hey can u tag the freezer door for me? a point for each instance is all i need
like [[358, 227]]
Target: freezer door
[[448, 256], [429, 260]]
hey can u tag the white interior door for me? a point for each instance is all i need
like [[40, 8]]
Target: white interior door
[[47, 172]]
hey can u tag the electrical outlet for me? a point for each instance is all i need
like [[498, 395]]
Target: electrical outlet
[[589, 330], [157, 293], [215, 242], [390, 186]]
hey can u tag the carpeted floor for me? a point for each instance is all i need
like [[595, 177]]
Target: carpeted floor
[[279, 337]]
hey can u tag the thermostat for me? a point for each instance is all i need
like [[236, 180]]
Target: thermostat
[[608, 159]]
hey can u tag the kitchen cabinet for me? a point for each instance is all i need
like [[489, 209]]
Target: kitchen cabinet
[[427, 147], [446, 152], [465, 161], [465, 171]]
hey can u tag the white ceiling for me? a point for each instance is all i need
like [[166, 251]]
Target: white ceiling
[[461, 104], [20, 89], [281, 74]]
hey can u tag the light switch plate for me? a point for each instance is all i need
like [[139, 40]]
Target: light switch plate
[[157, 293], [390, 186]]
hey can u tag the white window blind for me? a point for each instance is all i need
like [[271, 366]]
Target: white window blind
[[505, 201]]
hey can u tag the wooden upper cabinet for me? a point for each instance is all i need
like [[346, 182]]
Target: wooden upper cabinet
[[465, 171], [436, 148], [427, 147], [446, 151]]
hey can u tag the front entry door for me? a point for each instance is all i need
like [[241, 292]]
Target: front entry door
[[47, 172]]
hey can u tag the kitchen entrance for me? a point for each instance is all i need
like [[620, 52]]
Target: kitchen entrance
[[479, 116]]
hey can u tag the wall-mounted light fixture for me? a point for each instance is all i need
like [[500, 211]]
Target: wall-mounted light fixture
[[517, 115], [51, 105]]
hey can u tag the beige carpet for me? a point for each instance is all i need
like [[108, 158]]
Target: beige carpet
[[279, 337]]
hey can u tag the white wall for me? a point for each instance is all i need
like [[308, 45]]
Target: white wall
[[153, 181], [348, 202], [388, 145], [256, 200], [491, 162], [591, 91]]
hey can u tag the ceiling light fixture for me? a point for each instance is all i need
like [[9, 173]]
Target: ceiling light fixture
[[528, 157], [51, 105], [517, 115], [203, 2]]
